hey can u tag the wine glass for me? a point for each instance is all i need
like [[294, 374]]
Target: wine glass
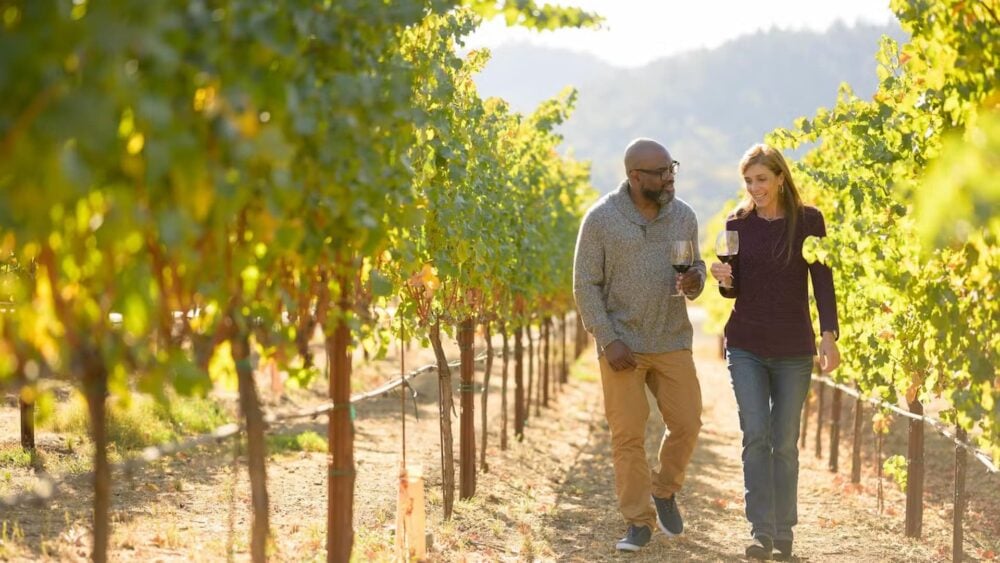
[[681, 258], [727, 246]]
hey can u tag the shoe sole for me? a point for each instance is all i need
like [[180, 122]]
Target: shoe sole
[[627, 547], [665, 530]]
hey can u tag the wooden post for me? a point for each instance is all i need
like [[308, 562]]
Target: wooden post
[[915, 474], [544, 366], [483, 407], [564, 374], [538, 373], [552, 356], [531, 370], [26, 403], [340, 465], [859, 409], [879, 438], [835, 430], [503, 387], [467, 439], [819, 420], [519, 399], [959, 499]]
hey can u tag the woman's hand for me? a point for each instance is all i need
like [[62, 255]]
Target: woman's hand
[[829, 355], [723, 273]]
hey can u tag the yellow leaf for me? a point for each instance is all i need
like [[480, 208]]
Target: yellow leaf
[[204, 99], [8, 245], [222, 369], [135, 143], [248, 124]]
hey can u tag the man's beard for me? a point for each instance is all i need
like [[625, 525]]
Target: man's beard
[[655, 195]]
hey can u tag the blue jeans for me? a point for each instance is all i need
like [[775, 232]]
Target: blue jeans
[[770, 393]]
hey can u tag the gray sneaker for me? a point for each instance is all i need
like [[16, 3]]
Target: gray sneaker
[[668, 517], [635, 539]]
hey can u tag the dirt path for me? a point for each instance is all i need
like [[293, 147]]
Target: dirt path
[[550, 497]]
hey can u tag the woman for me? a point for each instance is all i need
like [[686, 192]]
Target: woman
[[770, 341]]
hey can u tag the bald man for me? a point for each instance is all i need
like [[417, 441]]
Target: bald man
[[625, 289]]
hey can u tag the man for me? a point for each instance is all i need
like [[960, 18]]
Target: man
[[624, 287]]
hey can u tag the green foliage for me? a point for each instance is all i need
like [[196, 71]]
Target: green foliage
[[307, 441], [15, 456], [179, 177], [965, 177], [894, 468], [530, 14]]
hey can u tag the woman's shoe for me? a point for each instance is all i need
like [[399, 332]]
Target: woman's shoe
[[761, 548]]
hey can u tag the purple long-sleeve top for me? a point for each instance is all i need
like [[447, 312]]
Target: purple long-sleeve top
[[771, 315]]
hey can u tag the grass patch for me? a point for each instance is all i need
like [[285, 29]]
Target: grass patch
[[194, 415], [16, 456], [307, 441], [137, 421]]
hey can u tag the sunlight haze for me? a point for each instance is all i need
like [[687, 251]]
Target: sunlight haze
[[636, 32]]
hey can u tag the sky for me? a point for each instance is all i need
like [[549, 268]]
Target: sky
[[636, 32]]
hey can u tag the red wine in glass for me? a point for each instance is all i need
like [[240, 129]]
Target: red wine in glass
[[681, 258], [727, 246]]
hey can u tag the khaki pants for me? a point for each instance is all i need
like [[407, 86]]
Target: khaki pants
[[671, 378]]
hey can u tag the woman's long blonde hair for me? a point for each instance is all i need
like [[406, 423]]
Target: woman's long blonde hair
[[789, 200]]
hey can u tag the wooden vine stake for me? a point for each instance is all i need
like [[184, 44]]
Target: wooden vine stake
[[520, 409], [544, 363], [819, 420], [856, 442], [340, 433], [467, 436], [484, 397], [915, 473], [503, 386], [564, 372], [834, 464], [26, 405], [959, 510], [532, 392]]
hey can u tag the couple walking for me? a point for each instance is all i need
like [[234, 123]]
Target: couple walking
[[625, 291]]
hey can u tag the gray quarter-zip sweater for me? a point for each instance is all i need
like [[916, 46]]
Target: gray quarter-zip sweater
[[622, 277]]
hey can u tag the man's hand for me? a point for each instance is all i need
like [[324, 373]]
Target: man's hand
[[619, 356], [689, 281]]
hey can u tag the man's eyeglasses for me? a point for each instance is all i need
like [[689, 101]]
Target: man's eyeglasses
[[662, 172]]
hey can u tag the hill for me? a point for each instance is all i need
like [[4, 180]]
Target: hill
[[707, 106]]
